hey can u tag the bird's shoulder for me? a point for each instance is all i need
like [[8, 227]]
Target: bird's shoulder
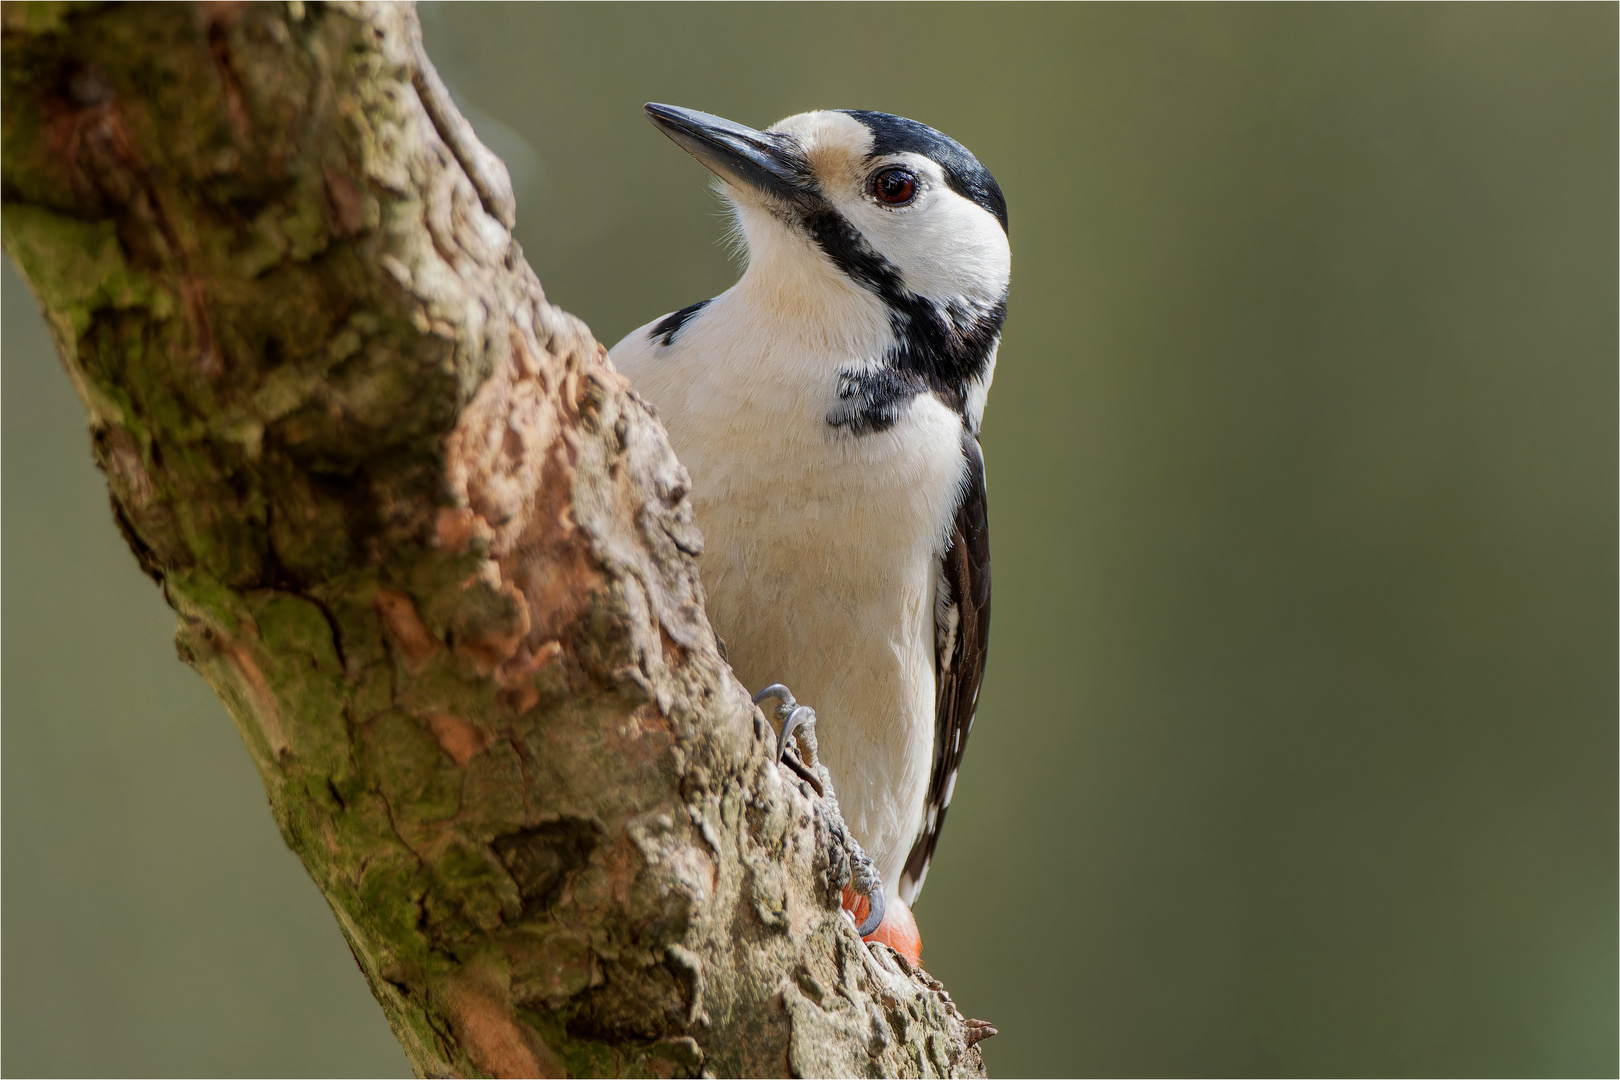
[[644, 343]]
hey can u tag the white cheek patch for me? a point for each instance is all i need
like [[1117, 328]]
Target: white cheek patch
[[946, 247]]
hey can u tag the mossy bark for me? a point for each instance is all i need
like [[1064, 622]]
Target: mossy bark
[[432, 553]]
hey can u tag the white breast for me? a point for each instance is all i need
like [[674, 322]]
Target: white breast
[[821, 546]]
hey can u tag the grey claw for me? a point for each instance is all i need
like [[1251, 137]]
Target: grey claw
[[874, 912], [874, 916], [779, 692], [801, 714], [791, 711], [865, 881]]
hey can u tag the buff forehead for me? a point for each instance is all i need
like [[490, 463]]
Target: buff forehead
[[836, 145]]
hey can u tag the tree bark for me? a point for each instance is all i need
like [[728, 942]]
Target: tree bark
[[433, 554]]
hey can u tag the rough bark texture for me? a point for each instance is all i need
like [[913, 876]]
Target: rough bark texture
[[432, 553]]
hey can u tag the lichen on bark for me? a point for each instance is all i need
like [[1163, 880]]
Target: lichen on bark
[[433, 554]]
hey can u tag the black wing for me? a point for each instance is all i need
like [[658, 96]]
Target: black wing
[[961, 638]]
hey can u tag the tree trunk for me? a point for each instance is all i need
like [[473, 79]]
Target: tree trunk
[[433, 554]]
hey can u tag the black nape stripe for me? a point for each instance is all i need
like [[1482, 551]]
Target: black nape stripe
[[671, 324], [947, 345], [963, 172]]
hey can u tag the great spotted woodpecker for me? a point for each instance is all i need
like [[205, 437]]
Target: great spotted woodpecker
[[827, 407]]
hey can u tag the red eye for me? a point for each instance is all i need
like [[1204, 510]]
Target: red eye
[[894, 187]]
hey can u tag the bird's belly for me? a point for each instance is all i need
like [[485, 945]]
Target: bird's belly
[[820, 568]]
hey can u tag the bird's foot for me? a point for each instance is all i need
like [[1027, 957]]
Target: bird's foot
[[789, 713], [895, 925], [865, 888], [796, 720], [863, 897]]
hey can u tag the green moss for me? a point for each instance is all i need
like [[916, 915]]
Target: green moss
[[309, 530], [588, 1058], [199, 593], [390, 893], [291, 624], [441, 685], [283, 390], [584, 1057], [226, 538], [305, 227], [77, 267], [631, 1058], [468, 875], [494, 789], [371, 692], [350, 600], [261, 247], [364, 827], [402, 758], [306, 677], [43, 16]]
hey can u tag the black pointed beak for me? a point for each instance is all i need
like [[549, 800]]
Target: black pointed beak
[[739, 155]]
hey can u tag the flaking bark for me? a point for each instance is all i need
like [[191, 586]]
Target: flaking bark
[[432, 553]]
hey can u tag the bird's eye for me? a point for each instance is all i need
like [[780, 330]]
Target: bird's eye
[[894, 187]]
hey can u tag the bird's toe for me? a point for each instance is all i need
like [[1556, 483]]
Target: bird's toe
[[896, 927]]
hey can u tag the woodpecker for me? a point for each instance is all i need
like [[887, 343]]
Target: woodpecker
[[827, 407]]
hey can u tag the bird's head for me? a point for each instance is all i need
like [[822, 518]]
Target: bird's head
[[893, 206]]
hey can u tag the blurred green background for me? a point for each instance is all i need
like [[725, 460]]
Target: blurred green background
[[1297, 754]]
